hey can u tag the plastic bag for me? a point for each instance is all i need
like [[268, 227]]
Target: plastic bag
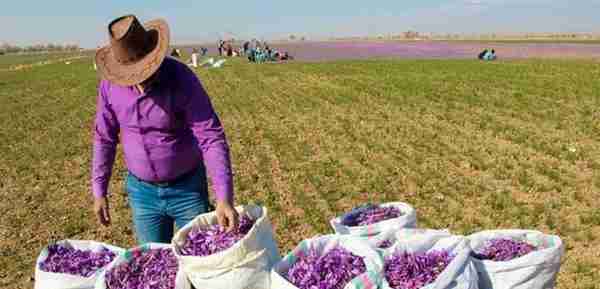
[[49, 280], [246, 264], [535, 270]]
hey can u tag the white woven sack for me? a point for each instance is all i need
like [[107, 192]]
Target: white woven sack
[[536, 270], [407, 220], [460, 273], [246, 264], [48, 280], [373, 261], [181, 281]]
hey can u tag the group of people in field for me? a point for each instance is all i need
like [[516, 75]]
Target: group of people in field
[[263, 53], [254, 50]]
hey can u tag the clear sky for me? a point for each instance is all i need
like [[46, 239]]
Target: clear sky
[[84, 22]]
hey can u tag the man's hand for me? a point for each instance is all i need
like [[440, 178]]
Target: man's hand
[[227, 216], [102, 211]]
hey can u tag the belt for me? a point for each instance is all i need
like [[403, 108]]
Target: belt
[[170, 183]]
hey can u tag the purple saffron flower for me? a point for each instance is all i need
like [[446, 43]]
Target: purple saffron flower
[[330, 271], [370, 214], [501, 250], [205, 241], [405, 270], [154, 268], [385, 244], [68, 260]]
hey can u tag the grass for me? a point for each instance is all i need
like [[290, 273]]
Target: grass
[[471, 145]]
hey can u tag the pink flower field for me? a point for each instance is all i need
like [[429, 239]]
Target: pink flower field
[[338, 50], [434, 49]]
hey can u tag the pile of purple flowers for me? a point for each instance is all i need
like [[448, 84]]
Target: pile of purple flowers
[[405, 270], [370, 214], [63, 259], [385, 244], [504, 250], [330, 271], [151, 269], [205, 241]]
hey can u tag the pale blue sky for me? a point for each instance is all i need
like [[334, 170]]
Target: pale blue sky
[[84, 22]]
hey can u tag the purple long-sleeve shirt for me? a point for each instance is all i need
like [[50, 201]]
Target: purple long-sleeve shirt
[[165, 132]]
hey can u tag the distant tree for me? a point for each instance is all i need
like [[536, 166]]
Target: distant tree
[[72, 47], [7, 48], [292, 37], [50, 47]]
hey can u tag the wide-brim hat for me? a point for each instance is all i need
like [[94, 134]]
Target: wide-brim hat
[[135, 52]]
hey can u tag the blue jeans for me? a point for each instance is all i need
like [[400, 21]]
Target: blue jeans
[[155, 209]]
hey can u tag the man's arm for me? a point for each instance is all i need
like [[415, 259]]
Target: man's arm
[[106, 138], [206, 127]]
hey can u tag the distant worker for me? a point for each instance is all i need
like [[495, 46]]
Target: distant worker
[[482, 54], [175, 53], [221, 47], [229, 49], [490, 55], [246, 47], [195, 57]]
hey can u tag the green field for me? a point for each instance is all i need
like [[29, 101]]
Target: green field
[[13, 60], [471, 145]]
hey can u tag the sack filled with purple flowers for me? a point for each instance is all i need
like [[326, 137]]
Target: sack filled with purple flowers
[[427, 260], [372, 219], [328, 262], [213, 258], [516, 259], [152, 265], [73, 264]]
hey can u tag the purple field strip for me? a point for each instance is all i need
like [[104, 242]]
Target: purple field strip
[[322, 51]]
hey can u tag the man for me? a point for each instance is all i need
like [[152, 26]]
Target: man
[[221, 47], [246, 47], [482, 54], [169, 131], [175, 53]]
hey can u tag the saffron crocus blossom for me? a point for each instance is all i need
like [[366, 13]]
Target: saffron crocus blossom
[[405, 270], [332, 270], [370, 214], [205, 241], [150, 269], [68, 260], [504, 250]]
